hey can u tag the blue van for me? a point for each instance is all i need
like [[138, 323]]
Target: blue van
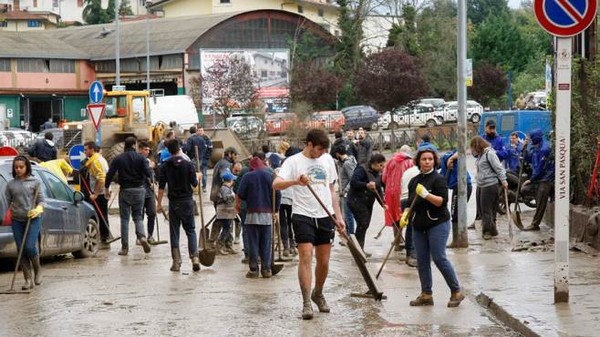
[[518, 120]]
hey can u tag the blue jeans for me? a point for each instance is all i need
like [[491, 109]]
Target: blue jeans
[[181, 213], [131, 203], [259, 240], [18, 228], [348, 217], [204, 168], [431, 244]]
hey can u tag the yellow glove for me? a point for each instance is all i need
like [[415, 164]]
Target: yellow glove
[[404, 218], [422, 191], [34, 213]]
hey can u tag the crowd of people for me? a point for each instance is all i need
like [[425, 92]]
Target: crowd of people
[[251, 195]]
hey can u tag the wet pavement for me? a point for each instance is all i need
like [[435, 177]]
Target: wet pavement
[[137, 295]]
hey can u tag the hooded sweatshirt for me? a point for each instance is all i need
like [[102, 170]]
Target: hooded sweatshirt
[[179, 174], [392, 180], [19, 195], [540, 157], [43, 150], [256, 188]]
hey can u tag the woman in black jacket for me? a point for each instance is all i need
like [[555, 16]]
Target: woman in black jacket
[[431, 226], [361, 197]]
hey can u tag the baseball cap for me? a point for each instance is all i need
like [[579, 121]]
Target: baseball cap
[[228, 176], [490, 122]]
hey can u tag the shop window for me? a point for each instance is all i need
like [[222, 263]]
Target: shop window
[[3, 23], [62, 66], [5, 65], [34, 23]]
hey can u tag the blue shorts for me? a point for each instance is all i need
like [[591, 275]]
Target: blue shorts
[[318, 231]]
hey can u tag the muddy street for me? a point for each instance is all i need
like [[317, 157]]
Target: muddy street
[[137, 295]]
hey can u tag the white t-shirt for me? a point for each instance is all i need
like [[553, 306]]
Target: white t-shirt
[[321, 172], [406, 178]]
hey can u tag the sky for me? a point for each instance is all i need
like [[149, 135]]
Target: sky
[[514, 3]]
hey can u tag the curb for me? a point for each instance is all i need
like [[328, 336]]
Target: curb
[[504, 316]]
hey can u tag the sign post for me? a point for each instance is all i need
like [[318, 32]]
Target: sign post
[[96, 94], [563, 19]]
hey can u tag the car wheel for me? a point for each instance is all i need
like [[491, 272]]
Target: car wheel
[[374, 126], [431, 123], [91, 240], [475, 118]]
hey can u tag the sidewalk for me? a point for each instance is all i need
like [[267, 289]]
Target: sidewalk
[[517, 287]]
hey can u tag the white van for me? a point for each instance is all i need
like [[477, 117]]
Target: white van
[[178, 108]]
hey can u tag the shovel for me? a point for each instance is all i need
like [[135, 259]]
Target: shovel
[[398, 236], [97, 209], [510, 232], [159, 241], [516, 214], [275, 267], [19, 256], [207, 257]]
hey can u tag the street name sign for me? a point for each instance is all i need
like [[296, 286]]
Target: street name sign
[[96, 112], [96, 92]]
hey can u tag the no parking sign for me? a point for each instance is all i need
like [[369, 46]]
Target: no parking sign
[[564, 18]]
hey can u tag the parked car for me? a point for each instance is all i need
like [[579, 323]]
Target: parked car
[[539, 97], [437, 103], [15, 137], [331, 120], [279, 123], [69, 225], [474, 111], [245, 126], [417, 115], [361, 116]]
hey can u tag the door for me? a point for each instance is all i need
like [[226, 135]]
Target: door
[[59, 217]]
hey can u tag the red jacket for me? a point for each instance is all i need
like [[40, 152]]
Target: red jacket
[[391, 178]]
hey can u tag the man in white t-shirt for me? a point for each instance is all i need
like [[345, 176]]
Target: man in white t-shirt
[[312, 226]]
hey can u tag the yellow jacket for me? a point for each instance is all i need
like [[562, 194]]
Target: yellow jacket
[[59, 167], [97, 167]]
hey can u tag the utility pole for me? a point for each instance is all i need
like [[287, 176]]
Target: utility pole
[[462, 236], [148, 4], [117, 45]]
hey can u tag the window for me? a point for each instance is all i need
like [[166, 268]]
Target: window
[[507, 123], [3, 203], [55, 3], [3, 23], [34, 23], [5, 65], [320, 12], [79, 3], [34, 3], [32, 66], [225, 1], [300, 9], [59, 190], [62, 66]]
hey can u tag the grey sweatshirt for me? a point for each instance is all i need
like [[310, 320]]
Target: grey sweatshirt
[[19, 194], [489, 169]]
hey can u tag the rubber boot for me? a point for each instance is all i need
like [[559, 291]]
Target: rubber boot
[[238, 232], [195, 263], [214, 234], [176, 255], [26, 267], [37, 272]]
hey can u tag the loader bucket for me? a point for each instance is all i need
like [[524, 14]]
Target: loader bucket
[[222, 139]]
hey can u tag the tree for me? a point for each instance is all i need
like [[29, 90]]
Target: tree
[[230, 83], [480, 10], [404, 36], [93, 13], [489, 82], [389, 79], [314, 85], [436, 31], [498, 41]]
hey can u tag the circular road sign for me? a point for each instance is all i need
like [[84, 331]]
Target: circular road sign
[[565, 18], [8, 151], [76, 155]]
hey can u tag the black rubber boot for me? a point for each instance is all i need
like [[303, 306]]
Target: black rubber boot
[[176, 255], [26, 267], [37, 272]]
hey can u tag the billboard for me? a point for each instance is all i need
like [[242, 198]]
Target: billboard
[[231, 75]]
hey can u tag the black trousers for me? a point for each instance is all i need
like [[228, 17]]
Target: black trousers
[[543, 190], [362, 212], [487, 204]]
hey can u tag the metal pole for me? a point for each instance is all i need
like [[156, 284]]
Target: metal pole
[[117, 50], [462, 237], [562, 153], [148, 3]]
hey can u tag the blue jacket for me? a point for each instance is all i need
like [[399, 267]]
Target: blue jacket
[[452, 178], [497, 143], [256, 189], [540, 157], [513, 162]]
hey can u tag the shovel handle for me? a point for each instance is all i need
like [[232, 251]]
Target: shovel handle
[[342, 233], [200, 198]]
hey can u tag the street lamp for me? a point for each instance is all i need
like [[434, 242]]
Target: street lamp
[[148, 4]]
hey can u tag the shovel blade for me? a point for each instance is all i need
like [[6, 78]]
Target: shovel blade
[[516, 216], [204, 235], [207, 257], [276, 268]]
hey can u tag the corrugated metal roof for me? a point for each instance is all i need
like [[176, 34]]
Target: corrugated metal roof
[[167, 36], [36, 45]]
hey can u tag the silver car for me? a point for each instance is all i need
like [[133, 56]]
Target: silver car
[[474, 111], [69, 225]]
